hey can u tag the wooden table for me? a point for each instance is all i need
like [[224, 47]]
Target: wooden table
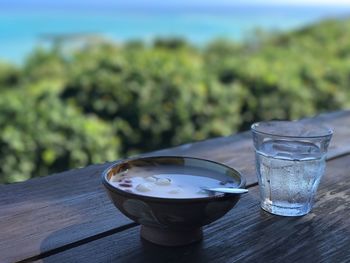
[[67, 217]]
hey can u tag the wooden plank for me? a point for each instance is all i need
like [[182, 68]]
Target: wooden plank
[[68, 207], [340, 123], [246, 234], [73, 207]]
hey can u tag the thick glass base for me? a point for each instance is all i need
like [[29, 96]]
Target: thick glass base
[[288, 210]]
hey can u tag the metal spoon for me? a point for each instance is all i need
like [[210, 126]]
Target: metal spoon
[[226, 190]]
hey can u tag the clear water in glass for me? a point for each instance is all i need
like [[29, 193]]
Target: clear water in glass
[[289, 173]]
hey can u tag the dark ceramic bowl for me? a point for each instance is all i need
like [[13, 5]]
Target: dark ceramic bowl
[[171, 221]]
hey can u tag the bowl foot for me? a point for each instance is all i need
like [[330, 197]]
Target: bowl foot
[[166, 237]]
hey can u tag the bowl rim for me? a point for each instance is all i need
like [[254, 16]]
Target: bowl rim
[[169, 200]]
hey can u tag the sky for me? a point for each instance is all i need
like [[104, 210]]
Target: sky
[[146, 3], [298, 2]]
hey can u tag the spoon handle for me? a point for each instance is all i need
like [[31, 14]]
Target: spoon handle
[[228, 190]]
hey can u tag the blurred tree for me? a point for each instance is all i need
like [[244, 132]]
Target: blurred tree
[[41, 135], [9, 76], [99, 101]]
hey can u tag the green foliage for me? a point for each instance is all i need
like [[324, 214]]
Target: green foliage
[[41, 135], [9, 76], [103, 101], [154, 97]]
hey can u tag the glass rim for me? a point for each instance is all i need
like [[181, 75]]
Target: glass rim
[[326, 131]]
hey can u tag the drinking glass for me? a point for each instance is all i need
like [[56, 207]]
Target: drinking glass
[[290, 161]]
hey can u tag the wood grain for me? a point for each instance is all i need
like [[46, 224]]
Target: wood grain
[[72, 207], [246, 234]]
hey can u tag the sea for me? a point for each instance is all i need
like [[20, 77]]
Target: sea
[[22, 29]]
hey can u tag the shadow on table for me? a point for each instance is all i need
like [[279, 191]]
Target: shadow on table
[[269, 239], [123, 247], [285, 239]]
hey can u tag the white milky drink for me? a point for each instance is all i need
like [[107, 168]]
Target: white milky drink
[[289, 173], [171, 181]]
